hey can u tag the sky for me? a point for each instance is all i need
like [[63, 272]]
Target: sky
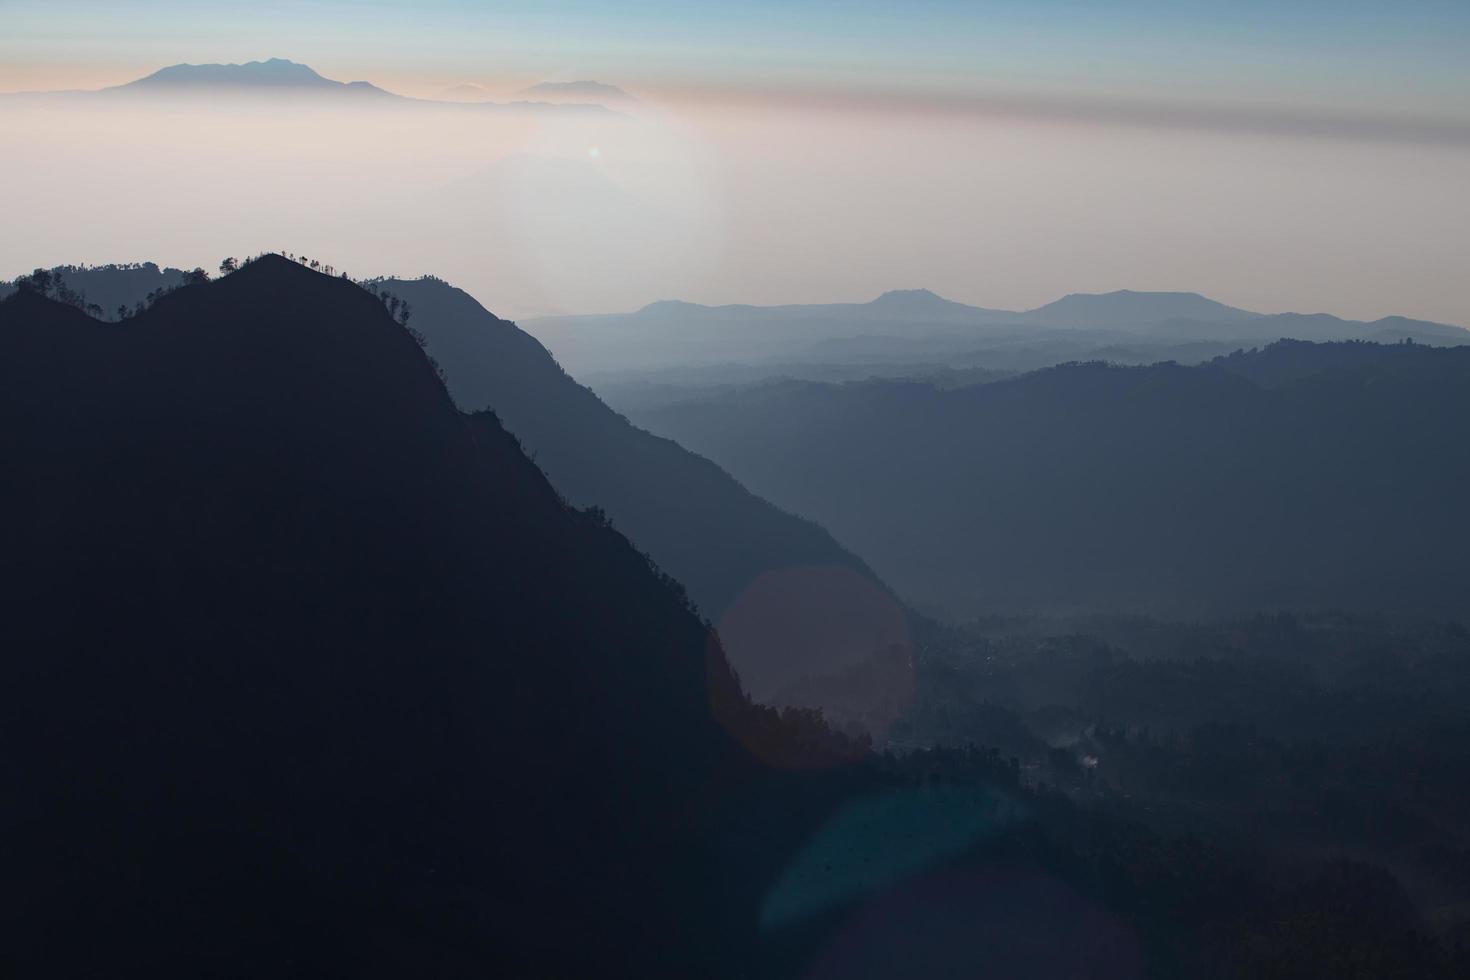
[[1350, 54], [1303, 156]]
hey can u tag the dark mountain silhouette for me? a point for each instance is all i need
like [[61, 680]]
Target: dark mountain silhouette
[[723, 543], [694, 519], [309, 674], [112, 286], [306, 673], [1298, 476]]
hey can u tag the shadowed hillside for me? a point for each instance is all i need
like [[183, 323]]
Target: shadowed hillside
[[1299, 476], [692, 517], [308, 673], [113, 289], [729, 548]]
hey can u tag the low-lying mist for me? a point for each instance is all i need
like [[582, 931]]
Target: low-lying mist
[[551, 210]]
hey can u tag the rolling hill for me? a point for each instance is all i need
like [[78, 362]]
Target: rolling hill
[[1298, 476]]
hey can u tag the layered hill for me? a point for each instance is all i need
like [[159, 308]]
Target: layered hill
[[281, 82], [1297, 476], [730, 548], [915, 325], [307, 673], [113, 288]]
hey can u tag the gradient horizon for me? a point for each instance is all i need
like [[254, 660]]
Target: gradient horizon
[[1001, 154], [1312, 53]]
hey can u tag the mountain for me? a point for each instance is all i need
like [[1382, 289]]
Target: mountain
[[280, 79], [274, 75], [916, 326], [1300, 476], [1126, 308], [788, 598], [673, 333], [921, 303], [112, 286], [307, 673], [726, 545]]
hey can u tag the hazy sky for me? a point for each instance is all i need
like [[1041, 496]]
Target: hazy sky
[[1306, 156], [1349, 54]]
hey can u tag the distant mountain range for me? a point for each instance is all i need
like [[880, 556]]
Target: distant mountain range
[[915, 325], [1302, 476], [276, 74], [308, 673], [279, 78]]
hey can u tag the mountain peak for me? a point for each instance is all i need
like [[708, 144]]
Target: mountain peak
[[1132, 307], [273, 71], [671, 306], [272, 75], [920, 303], [909, 296], [271, 262]]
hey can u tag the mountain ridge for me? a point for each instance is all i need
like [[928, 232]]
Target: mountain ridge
[[1095, 487], [1128, 307], [269, 73], [697, 522], [278, 77], [1142, 307], [722, 543], [917, 325], [295, 641]]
